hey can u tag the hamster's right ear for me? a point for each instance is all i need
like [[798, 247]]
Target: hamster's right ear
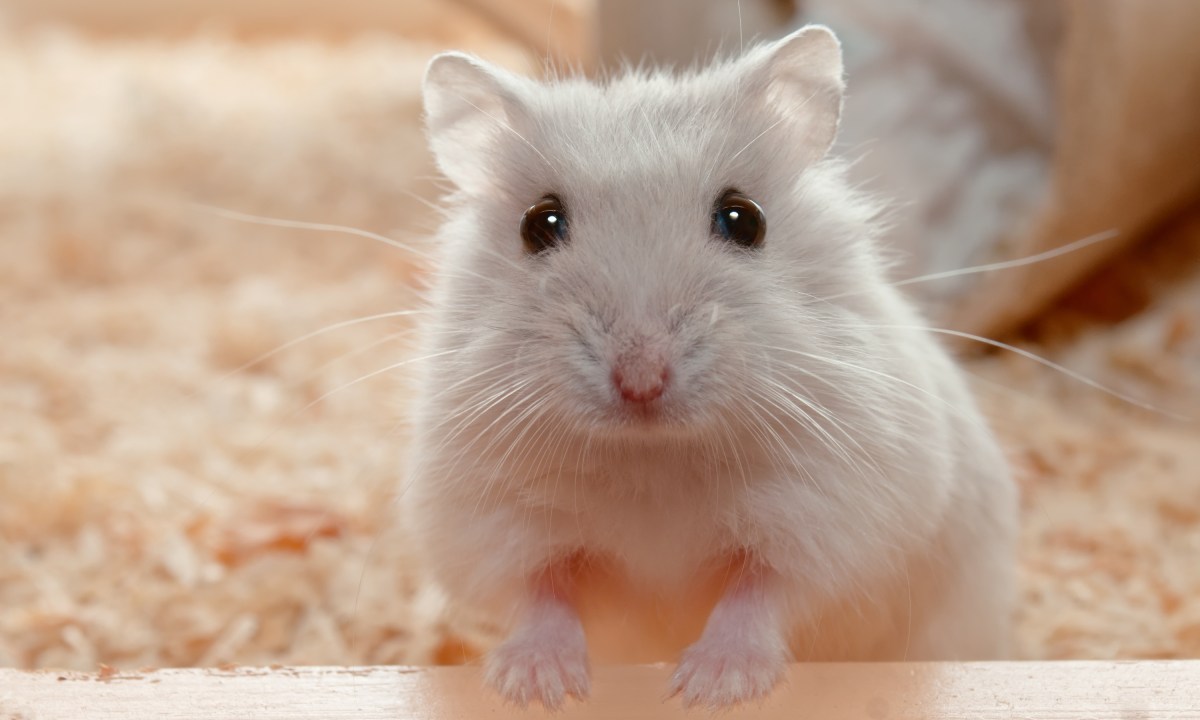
[[802, 75], [468, 103]]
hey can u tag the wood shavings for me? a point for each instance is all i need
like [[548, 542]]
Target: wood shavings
[[158, 512], [269, 527], [1111, 501]]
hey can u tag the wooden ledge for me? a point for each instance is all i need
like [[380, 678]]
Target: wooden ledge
[[883, 691]]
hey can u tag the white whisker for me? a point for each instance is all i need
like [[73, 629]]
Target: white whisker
[[308, 336], [303, 225], [1015, 263], [741, 32], [346, 356], [373, 374], [1047, 363], [870, 371], [791, 397], [1001, 265]]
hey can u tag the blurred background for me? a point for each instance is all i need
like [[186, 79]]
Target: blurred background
[[170, 497]]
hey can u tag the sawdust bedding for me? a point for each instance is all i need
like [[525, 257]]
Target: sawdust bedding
[[160, 506]]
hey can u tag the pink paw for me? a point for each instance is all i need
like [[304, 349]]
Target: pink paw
[[542, 668], [718, 675]]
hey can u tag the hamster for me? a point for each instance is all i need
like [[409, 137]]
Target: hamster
[[662, 350]]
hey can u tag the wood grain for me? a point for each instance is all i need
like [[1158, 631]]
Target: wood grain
[[883, 691]]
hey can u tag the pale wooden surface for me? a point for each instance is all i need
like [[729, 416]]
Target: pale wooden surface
[[885, 691]]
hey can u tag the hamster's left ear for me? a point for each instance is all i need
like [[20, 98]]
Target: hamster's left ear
[[802, 78], [469, 106]]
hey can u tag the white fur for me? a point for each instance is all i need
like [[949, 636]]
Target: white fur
[[883, 523]]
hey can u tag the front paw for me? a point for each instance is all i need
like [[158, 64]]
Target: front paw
[[719, 674], [539, 668]]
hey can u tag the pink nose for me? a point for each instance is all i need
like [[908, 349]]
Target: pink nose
[[640, 384]]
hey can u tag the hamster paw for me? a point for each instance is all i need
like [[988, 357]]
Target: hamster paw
[[720, 674], [543, 668]]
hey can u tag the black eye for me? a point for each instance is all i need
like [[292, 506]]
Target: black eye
[[544, 225], [739, 220]]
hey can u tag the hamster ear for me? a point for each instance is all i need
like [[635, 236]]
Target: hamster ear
[[803, 83], [468, 103]]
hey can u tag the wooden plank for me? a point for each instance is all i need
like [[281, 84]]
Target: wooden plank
[[875, 691]]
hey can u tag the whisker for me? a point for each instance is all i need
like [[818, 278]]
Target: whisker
[[763, 420], [1017, 262], [308, 336], [304, 225], [439, 209], [375, 373], [841, 447], [357, 232], [790, 397], [870, 371], [468, 402], [782, 449], [581, 461], [503, 434], [316, 372], [520, 420], [1002, 265], [741, 33], [751, 423], [549, 438], [1045, 362], [476, 409]]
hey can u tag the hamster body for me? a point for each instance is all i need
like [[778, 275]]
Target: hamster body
[[662, 350]]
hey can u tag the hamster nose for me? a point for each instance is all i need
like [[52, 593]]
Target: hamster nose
[[640, 382]]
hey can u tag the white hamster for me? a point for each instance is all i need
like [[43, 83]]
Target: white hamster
[[662, 350]]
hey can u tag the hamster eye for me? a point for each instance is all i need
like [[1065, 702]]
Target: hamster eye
[[544, 225], [739, 220]]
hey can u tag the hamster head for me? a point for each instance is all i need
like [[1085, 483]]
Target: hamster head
[[631, 251]]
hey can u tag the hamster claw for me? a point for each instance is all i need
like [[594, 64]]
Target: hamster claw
[[545, 668], [717, 675]]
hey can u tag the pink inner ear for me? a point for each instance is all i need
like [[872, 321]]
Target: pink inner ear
[[466, 106], [813, 55], [806, 88]]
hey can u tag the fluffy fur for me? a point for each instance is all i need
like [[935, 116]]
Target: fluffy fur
[[811, 437]]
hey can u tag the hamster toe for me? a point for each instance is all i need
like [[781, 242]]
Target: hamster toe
[[723, 674], [539, 669]]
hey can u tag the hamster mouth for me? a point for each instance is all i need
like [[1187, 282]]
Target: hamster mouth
[[657, 418], [641, 414]]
